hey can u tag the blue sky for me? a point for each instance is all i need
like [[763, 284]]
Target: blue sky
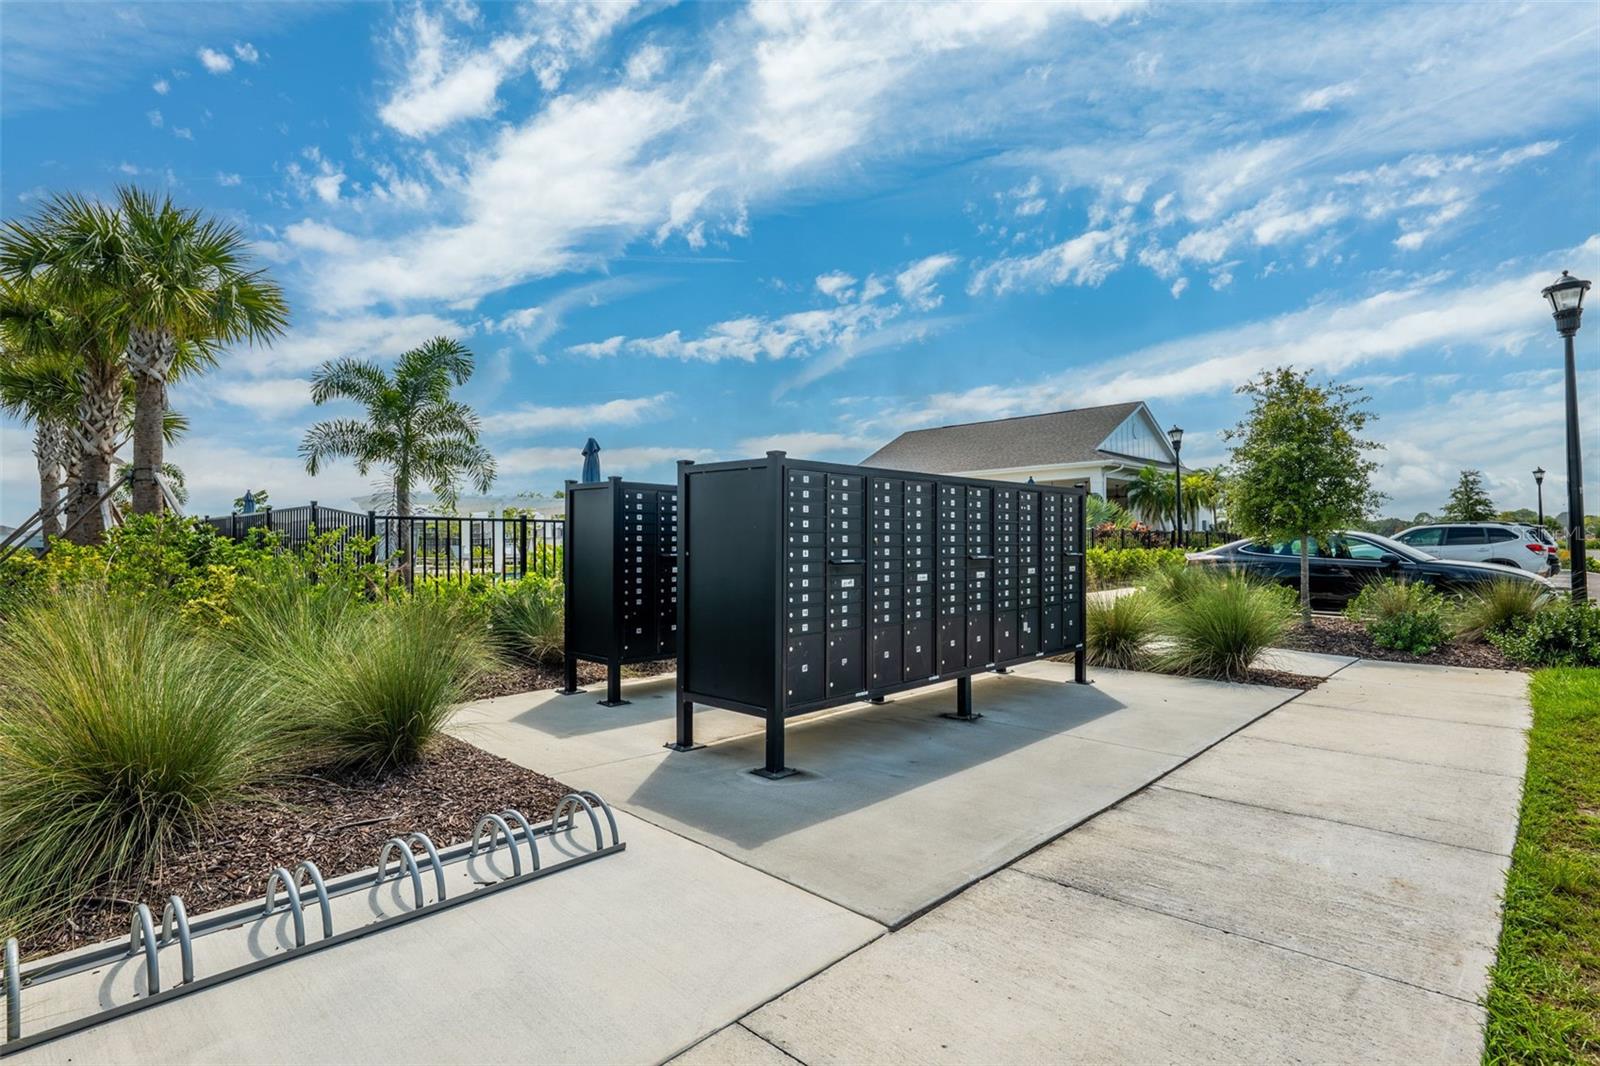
[[702, 231]]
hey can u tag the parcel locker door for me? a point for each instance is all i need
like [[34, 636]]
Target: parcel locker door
[[846, 670], [1005, 636], [980, 639], [802, 671], [1072, 603], [885, 670], [848, 578], [1028, 632], [918, 659]]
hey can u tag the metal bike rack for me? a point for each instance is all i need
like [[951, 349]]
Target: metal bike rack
[[509, 824]]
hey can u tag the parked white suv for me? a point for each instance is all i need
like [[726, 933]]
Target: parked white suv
[[1504, 543]]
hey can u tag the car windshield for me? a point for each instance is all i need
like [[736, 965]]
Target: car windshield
[[1343, 546], [1384, 544]]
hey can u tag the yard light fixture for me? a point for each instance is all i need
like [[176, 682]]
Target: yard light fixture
[[1566, 301], [1175, 435], [1538, 480]]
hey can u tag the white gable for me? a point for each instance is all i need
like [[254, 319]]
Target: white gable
[[1139, 436]]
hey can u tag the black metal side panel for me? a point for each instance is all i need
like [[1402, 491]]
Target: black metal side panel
[[728, 584], [591, 551], [1074, 583]]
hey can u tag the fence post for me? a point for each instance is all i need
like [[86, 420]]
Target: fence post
[[372, 533], [311, 519], [233, 527], [522, 545]]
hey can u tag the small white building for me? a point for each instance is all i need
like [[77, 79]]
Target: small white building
[[1098, 448]]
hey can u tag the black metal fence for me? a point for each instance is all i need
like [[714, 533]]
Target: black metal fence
[[442, 547], [1193, 540]]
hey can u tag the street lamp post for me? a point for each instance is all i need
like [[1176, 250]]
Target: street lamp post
[[1538, 480], [1566, 300], [1175, 435]]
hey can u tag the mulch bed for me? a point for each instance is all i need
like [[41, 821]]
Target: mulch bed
[[1333, 635], [532, 677], [1282, 679], [337, 822]]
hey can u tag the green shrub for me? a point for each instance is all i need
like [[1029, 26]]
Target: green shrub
[[1219, 621], [525, 618], [361, 688], [1405, 616], [1565, 634], [1499, 606], [1119, 567], [119, 728], [1119, 629], [1176, 585]]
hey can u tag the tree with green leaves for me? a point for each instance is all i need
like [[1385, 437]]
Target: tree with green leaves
[[1150, 495], [1299, 468], [413, 426], [1469, 502], [172, 286], [41, 390]]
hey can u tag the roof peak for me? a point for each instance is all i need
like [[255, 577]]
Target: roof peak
[[1130, 404]]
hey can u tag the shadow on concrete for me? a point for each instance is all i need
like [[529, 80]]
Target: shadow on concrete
[[854, 760], [580, 715]]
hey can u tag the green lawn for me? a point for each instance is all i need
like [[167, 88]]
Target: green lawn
[[1544, 997]]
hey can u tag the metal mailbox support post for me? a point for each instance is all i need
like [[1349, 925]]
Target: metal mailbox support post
[[824, 585], [619, 564]]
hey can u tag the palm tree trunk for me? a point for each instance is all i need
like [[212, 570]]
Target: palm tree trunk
[[98, 404], [49, 449], [150, 356]]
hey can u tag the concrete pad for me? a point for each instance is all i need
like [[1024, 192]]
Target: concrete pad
[[1488, 749], [1461, 807], [1439, 679], [1475, 708], [733, 1046], [1020, 969], [554, 733], [1424, 913], [896, 807], [1309, 663], [628, 959]]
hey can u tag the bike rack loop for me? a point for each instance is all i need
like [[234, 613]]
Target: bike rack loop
[[515, 815], [13, 989], [174, 913], [567, 808], [433, 857], [496, 826], [398, 845], [605, 809], [291, 895], [143, 932]]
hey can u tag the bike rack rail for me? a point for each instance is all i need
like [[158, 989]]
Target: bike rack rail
[[175, 920]]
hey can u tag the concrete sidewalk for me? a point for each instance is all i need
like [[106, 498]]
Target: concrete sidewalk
[[1321, 887]]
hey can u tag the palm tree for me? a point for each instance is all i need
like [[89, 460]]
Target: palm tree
[[412, 427], [1202, 491], [42, 390], [177, 285], [1099, 511], [1150, 495], [38, 320]]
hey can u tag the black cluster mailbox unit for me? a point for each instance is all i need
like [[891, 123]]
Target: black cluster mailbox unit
[[621, 573], [807, 585]]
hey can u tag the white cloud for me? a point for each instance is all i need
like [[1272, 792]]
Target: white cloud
[[161, 86], [1087, 259], [1325, 97], [447, 81], [214, 61], [366, 336], [531, 418], [323, 180], [267, 397], [837, 284], [916, 283], [183, 133], [646, 63], [246, 51], [810, 444], [599, 349], [155, 118], [1178, 287], [228, 180]]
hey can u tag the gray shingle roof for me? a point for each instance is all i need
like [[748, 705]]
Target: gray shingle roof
[[1027, 440]]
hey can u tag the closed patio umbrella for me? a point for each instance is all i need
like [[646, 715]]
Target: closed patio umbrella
[[591, 462]]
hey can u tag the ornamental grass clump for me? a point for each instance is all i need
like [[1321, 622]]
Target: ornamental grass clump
[[1499, 607], [1564, 634], [357, 686], [1218, 622], [1403, 615], [525, 618], [121, 729], [1119, 630]]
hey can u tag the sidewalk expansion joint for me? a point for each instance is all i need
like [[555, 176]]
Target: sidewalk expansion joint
[[1334, 821], [1246, 936], [1385, 758]]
